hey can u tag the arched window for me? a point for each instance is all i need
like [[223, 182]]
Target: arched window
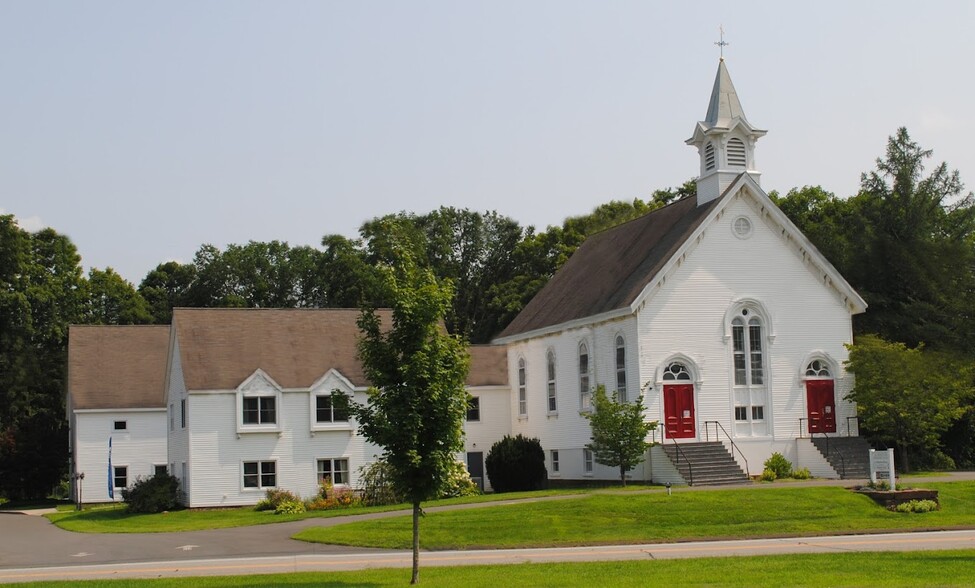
[[522, 387], [749, 368], [585, 392], [709, 157], [736, 153], [677, 372], [621, 368], [818, 368], [552, 398]]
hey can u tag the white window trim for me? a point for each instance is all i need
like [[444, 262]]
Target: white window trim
[[521, 368], [755, 310], [348, 470], [478, 419], [584, 395], [555, 463], [128, 475], [588, 463], [317, 425], [551, 383], [823, 357], [124, 429], [260, 487], [252, 388], [620, 341]]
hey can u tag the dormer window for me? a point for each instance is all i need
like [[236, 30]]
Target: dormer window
[[259, 410], [736, 153], [709, 157]]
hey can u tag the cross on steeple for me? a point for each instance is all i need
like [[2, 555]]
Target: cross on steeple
[[722, 43]]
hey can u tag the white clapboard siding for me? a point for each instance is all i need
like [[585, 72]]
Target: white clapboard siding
[[140, 447]]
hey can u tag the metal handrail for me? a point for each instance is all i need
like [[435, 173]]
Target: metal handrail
[[842, 459], [707, 433], [690, 468]]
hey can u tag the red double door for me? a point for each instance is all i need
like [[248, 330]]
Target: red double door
[[679, 411], [821, 406]]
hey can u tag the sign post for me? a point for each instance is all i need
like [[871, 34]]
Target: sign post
[[882, 467]]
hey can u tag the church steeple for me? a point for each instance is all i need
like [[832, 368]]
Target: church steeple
[[725, 140]]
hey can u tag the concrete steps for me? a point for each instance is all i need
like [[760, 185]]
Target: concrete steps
[[705, 464], [849, 456]]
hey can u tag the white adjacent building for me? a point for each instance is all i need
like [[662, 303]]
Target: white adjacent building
[[715, 309]]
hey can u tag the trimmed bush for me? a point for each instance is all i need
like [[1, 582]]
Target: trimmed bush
[[273, 498], [517, 463], [917, 506], [801, 474], [152, 495], [290, 507], [779, 464]]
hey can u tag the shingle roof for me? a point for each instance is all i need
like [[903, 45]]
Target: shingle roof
[[220, 348], [116, 367], [610, 269]]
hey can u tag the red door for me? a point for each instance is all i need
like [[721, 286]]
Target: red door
[[679, 411], [821, 403]]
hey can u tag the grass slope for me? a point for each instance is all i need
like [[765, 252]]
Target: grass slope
[[891, 570], [654, 517]]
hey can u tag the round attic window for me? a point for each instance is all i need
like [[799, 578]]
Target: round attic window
[[742, 227]]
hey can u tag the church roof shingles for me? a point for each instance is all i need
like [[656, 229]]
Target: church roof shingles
[[610, 269]]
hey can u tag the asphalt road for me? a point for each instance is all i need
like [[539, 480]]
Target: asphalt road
[[32, 548]]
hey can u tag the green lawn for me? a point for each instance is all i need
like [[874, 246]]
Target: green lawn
[[927, 568], [604, 518], [116, 519]]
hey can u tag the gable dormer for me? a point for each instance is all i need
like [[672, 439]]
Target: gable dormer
[[725, 140]]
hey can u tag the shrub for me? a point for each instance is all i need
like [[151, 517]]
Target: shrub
[[779, 464], [290, 507], [273, 498], [459, 483], [151, 495], [916, 506], [768, 475], [376, 484], [801, 474], [516, 463]]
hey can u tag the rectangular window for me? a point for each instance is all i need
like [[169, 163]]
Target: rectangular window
[[741, 413], [121, 474], [555, 461], [758, 413], [121, 425], [522, 388], [182, 413], [159, 470], [738, 337], [326, 411], [620, 369], [260, 474], [336, 469], [474, 409], [552, 398], [585, 392], [259, 410], [587, 461]]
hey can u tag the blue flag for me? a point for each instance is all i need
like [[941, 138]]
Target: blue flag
[[111, 473]]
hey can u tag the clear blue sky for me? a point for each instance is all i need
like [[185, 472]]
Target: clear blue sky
[[145, 129]]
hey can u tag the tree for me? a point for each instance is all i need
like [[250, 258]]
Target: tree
[[42, 291], [165, 288], [516, 464], [417, 403], [907, 397], [619, 432], [114, 301]]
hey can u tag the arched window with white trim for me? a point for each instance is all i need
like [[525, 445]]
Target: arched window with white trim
[[621, 368], [748, 350], [585, 390]]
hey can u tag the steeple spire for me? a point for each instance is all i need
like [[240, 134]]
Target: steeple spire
[[725, 140]]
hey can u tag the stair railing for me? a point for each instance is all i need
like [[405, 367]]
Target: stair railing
[[690, 468], [840, 455], [717, 425]]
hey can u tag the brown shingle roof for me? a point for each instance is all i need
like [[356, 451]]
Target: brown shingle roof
[[610, 269], [115, 367], [219, 348]]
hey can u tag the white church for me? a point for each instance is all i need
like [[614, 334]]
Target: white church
[[715, 309]]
